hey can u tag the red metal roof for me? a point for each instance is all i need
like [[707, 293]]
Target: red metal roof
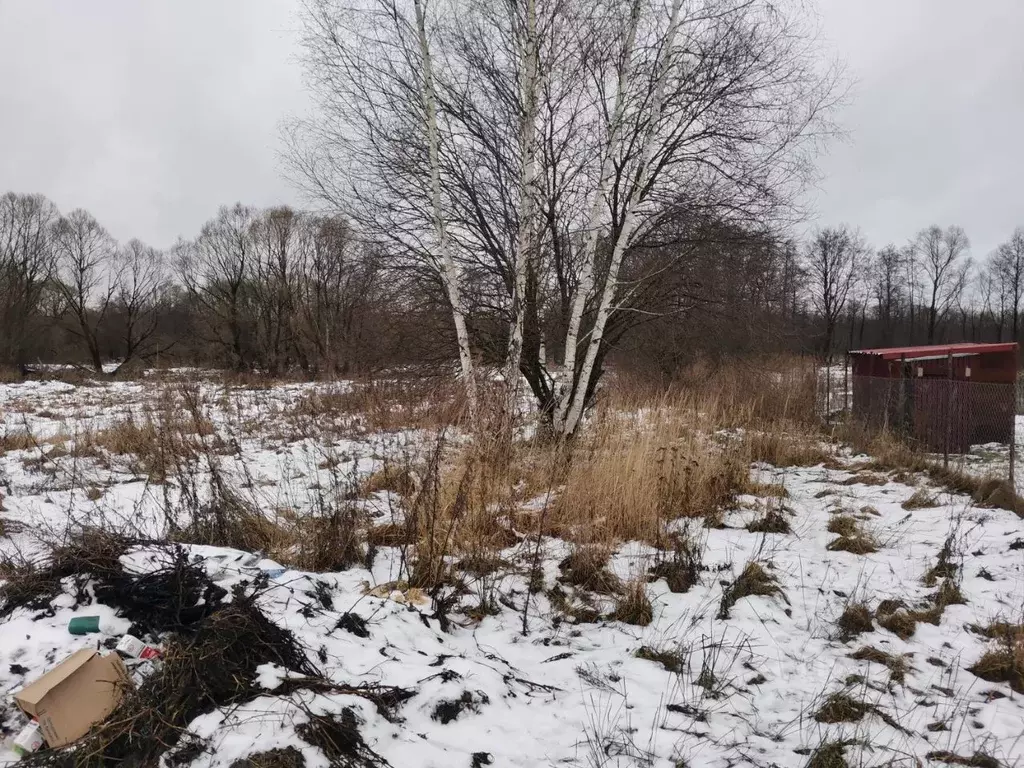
[[936, 350]]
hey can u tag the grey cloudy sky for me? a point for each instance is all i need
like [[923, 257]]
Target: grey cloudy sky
[[151, 113]]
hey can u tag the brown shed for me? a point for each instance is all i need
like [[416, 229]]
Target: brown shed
[[947, 396]]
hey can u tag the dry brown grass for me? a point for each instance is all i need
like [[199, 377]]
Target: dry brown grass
[[789, 448], [844, 525], [897, 665], [830, 754], [855, 619], [633, 606], [640, 468], [681, 564], [921, 499], [385, 404], [753, 581], [841, 708], [891, 454], [17, 441], [672, 660], [1003, 663], [643, 460], [772, 522], [587, 567], [902, 620], [397, 479]]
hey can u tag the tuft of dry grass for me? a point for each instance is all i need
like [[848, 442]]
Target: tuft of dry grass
[[891, 454], [897, 665], [900, 622], [400, 480], [830, 754], [427, 399], [281, 757], [17, 441], [998, 493], [642, 467], [753, 581], [587, 567], [1005, 662], [855, 619], [390, 535], [673, 661], [852, 537], [946, 566], [921, 499], [844, 525], [767, 490], [841, 708], [633, 606], [862, 477], [772, 522], [782, 448], [680, 567], [858, 544], [977, 760]]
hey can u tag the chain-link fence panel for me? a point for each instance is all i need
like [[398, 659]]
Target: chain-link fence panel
[[938, 416]]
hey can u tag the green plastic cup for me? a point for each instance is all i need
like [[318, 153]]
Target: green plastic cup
[[84, 625]]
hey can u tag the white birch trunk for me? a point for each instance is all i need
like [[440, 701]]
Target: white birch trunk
[[448, 269], [526, 240], [586, 282], [578, 398]]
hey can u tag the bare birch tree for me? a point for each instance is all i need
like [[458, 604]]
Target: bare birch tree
[[637, 123], [372, 67]]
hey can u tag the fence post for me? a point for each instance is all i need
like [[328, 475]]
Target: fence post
[[903, 396], [1013, 440], [846, 384], [828, 388], [949, 409]]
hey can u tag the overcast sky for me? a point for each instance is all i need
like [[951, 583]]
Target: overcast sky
[[151, 113]]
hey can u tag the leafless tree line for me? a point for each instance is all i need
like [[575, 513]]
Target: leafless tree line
[[925, 292], [280, 291], [66, 271], [272, 290]]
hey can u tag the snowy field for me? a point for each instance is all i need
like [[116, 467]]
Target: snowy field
[[703, 684]]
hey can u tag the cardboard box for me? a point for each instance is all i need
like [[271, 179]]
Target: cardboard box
[[75, 695]]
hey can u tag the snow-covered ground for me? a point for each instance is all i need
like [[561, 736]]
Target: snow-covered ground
[[743, 690]]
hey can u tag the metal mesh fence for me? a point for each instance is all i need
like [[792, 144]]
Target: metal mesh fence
[[938, 415]]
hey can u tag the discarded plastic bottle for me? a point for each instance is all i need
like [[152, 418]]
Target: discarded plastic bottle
[[28, 740]]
